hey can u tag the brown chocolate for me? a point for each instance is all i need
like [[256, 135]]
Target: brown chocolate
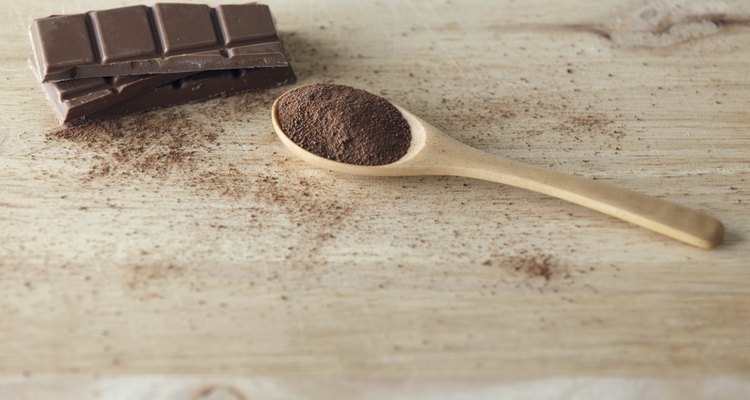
[[73, 100], [344, 124], [163, 39], [201, 86]]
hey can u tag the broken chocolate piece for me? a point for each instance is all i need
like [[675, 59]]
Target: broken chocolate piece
[[201, 86]]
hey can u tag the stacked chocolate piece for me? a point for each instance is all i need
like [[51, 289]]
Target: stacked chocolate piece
[[125, 60]]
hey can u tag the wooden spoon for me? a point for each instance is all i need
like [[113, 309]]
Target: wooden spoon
[[432, 152]]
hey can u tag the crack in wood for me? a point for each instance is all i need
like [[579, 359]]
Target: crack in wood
[[650, 27], [663, 34], [593, 29], [720, 20]]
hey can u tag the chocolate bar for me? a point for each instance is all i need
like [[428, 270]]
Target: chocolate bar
[[201, 86], [74, 99], [163, 39]]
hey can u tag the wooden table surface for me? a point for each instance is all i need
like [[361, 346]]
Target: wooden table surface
[[168, 252]]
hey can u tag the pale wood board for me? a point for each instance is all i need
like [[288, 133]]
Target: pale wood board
[[329, 277]]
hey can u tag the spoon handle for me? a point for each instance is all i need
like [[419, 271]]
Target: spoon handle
[[669, 219]]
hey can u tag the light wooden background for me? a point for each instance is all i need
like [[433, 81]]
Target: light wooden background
[[248, 269]]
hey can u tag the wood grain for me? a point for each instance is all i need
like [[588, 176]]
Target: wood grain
[[239, 260]]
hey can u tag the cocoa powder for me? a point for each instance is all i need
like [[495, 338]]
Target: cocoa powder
[[344, 124], [155, 143]]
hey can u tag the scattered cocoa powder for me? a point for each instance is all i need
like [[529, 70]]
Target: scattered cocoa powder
[[153, 143], [344, 124], [534, 268], [318, 206], [543, 267]]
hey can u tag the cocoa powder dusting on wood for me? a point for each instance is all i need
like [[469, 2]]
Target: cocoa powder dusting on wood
[[533, 268], [311, 205], [152, 143], [165, 144], [542, 267]]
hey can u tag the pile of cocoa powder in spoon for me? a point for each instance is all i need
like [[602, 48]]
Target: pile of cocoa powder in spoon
[[344, 124]]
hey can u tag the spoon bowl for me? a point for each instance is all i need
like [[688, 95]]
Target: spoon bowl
[[432, 152], [403, 167]]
